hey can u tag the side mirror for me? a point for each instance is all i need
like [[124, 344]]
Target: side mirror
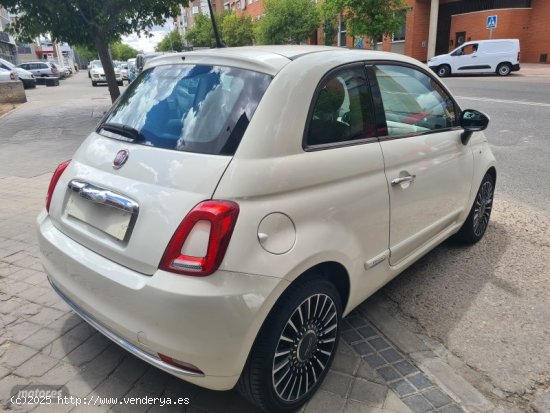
[[471, 121]]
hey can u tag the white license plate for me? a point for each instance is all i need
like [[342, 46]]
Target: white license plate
[[112, 221]]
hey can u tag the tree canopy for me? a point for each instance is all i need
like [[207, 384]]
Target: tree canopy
[[234, 30], [287, 21], [92, 23], [372, 18], [123, 52], [171, 42]]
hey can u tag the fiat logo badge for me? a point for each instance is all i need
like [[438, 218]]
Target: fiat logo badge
[[120, 158]]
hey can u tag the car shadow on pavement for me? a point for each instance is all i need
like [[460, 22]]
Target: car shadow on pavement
[[106, 372], [439, 289]]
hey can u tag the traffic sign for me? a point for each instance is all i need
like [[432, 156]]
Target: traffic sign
[[492, 22]]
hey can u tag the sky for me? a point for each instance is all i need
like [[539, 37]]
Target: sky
[[147, 44]]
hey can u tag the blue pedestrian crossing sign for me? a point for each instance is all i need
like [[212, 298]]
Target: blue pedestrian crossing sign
[[492, 22]]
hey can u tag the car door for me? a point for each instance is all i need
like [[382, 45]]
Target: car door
[[465, 60], [428, 169]]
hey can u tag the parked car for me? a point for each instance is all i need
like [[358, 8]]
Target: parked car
[[499, 56], [8, 75], [24, 75], [234, 204], [124, 71], [41, 69], [98, 74]]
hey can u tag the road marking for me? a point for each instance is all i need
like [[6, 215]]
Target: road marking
[[515, 102]]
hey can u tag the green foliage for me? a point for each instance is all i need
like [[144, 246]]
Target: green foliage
[[371, 18], [86, 53], [92, 23], [234, 30], [123, 52], [287, 21], [171, 42], [237, 30], [201, 34]]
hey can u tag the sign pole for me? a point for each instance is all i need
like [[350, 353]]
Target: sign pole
[[490, 34]]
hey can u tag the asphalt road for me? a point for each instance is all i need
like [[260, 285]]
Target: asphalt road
[[519, 108], [489, 304]]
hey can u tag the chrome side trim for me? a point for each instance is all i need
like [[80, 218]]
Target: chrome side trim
[[121, 342]]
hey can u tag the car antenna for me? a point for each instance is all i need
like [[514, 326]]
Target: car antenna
[[219, 43]]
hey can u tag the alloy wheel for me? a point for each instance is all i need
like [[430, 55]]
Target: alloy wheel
[[305, 347], [482, 208]]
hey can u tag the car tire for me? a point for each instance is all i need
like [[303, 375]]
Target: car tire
[[477, 222], [120, 83], [94, 84], [294, 346], [443, 71], [504, 69]]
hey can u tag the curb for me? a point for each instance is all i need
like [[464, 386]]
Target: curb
[[467, 396]]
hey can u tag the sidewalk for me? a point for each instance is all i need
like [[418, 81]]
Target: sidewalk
[[380, 366], [534, 69]]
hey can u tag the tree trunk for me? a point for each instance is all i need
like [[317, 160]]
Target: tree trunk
[[103, 50]]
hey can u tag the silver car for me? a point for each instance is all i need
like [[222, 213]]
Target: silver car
[[7, 75], [41, 69]]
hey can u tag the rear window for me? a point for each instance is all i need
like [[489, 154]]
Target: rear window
[[191, 108]]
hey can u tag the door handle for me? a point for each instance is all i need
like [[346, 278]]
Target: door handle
[[402, 179]]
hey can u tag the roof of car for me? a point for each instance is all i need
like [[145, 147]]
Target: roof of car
[[268, 59]]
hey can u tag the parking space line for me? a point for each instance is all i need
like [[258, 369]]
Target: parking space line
[[514, 102]]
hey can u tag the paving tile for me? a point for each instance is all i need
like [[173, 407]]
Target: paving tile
[[337, 383], [367, 372], [367, 391], [391, 355], [437, 398], [420, 381], [379, 343], [345, 363], [353, 406], [402, 388], [388, 373], [211, 401], [41, 338], [363, 348], [405, 368], [394, 404], [367, 331], [356, 321], [7, 384], [351, 336], [46, 316], [61, 373], [418, 404], [17, 354], [325, 402], [36, 366], [452, 408], [375, 360]]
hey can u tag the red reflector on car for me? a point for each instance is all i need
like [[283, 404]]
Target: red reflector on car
[[222, 216], [55, 177], [180, 364]]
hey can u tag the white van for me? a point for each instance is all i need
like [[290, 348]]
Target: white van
[[483, 56]]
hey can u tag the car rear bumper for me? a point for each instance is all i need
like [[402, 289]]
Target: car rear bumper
[[207, 322], [515, 67]]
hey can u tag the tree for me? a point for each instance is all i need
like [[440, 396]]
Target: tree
[[287, 21], [91, 23], [237, 30], [86, 53], [372, 18], [171, 42], [123, 52], [234, 30]]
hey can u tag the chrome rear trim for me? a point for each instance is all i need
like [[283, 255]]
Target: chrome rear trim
[[122, 342]]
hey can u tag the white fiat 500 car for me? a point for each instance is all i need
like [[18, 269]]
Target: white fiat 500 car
[[235, 204]]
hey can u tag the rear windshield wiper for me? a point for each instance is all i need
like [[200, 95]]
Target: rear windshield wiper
[[124, 130]]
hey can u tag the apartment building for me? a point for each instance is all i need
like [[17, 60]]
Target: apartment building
[[8, 49]]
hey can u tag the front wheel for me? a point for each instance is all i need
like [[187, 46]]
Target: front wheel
[[504, 69], [94, 84], [443, 71], [476, 224], [295, 347]]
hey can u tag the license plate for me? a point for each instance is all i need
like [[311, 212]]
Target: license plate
[[112, 221]]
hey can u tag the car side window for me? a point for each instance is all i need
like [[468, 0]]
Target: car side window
[[413, 101], [342, 111]]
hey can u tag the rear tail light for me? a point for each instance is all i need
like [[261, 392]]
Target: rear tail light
[[180, 364], [54, 70], [199, 244], [518, 56], [55, 177], [12, 76]]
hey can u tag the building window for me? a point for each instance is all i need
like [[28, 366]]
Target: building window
[[399, 35]]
